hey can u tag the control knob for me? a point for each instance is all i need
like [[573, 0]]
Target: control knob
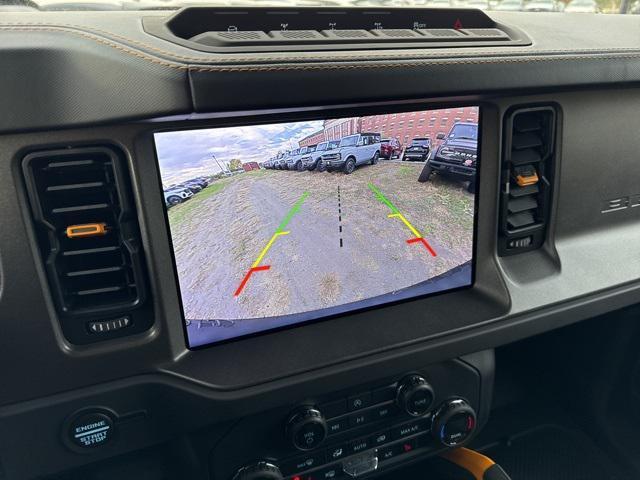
[[415, 396], [259, 471], [306, 428], [454, 422]]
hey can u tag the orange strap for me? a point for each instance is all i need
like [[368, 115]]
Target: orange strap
[[473, 462]]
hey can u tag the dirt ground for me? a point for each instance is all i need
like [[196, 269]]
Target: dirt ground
[[342, 246]]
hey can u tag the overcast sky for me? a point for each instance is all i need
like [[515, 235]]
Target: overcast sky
[[187, 154]]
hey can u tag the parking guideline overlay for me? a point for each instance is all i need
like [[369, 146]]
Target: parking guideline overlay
[[255, 266], [418, 237]]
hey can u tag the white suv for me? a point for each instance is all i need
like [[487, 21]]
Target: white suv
[[174, 196], [354, 150]]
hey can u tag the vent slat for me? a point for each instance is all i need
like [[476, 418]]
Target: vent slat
[[97, 291], [75, 186], [80, 208], [522, 157], [526, 140], [521, 204], [520, 220], [517, 191], [95, 271], [89, 251]]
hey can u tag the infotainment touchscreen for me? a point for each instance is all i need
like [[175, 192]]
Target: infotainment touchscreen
[[273, 225]]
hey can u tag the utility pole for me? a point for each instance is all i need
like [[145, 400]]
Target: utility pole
[[221, 169]]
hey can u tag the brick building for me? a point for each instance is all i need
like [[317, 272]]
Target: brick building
[[404, 126], [313, 139], [409, 125], [342, 127]]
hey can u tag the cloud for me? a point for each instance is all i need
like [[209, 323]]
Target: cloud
[[187, 154]]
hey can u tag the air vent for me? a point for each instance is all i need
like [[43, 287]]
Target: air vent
[[263, 29], [527, 178], [89, 240]]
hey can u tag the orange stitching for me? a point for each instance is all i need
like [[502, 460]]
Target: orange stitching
[[273, 68], [372, 55]]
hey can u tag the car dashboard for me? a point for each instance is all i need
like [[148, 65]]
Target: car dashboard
[[359, 391]]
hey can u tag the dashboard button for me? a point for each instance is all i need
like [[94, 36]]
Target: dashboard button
[[300, 464], [356, 402], [337, 426], [384, 411], [329, 473], [410, 429], [306, 428], [91, 429], [387, 453], [336, 452], [380, 438], [408, 446], [358, 419], [360, 445]]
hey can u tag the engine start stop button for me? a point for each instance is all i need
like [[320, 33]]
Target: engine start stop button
[[91, 429]]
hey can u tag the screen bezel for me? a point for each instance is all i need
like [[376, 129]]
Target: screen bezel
[[318, 113]]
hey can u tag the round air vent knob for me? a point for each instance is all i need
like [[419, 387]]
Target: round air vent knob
[[259, 471], [415, 396], [306, 428], [454, 422]]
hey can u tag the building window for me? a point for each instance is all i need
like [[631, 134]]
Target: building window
[[470, 120], [443, 121], [457, 119], [461, 110]]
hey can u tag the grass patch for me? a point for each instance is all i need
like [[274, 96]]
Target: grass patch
[[406, 171], [180, 212]]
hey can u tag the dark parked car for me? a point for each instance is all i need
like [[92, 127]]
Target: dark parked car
[[389, 148], [418, 150], [457, 156]]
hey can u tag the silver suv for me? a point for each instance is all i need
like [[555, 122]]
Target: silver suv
[[297, 161], [312, 160], [354, 150]]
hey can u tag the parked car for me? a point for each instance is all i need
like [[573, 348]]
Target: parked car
[[418, 150], [176, 195], [299, 161], [194, 187], [291, 159], [389, 148], [203, 182], [312, 160], [457, 156], [281, 163], [352, 151], [582, 6]]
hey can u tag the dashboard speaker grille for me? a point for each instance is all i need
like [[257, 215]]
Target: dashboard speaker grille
[[87, 233], [527, 178]]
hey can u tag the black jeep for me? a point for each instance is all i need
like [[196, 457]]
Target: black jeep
[[457, 156]]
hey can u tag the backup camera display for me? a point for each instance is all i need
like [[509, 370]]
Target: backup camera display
[[277, 224]]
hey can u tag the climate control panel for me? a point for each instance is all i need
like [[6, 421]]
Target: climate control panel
[[365, 429]]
